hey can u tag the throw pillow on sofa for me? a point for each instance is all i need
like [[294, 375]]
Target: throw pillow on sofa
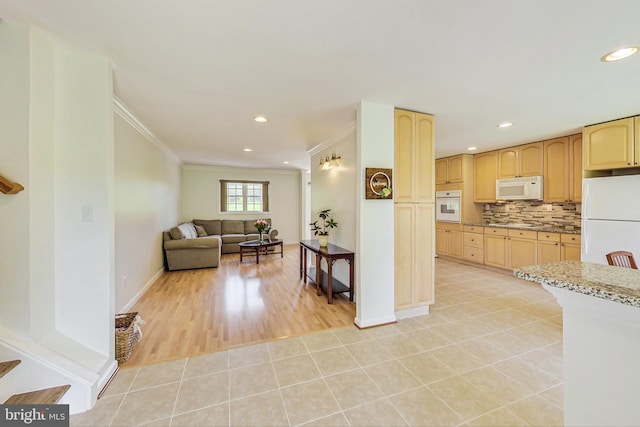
[[200, 230], [213, 227], [188, 230], [176, 234]]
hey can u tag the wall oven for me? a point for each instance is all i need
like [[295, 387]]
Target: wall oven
[[448, 206]]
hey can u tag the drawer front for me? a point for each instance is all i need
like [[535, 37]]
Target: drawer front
[[473, 240], [448, 226], [473, 229], [548, 237], [570, 238], [496, 231], [523, 234], [473, 254]]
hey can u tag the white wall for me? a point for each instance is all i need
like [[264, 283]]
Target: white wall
[[84, 181], [56, 268], [14, 165], [201, 196], [375, 227], [147, 201], [335, 189]]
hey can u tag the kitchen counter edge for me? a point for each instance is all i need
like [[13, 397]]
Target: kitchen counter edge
[[616, 284]]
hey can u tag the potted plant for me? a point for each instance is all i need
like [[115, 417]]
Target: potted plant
[[323, 232]]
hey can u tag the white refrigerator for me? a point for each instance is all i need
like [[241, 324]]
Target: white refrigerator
[[610, 217]]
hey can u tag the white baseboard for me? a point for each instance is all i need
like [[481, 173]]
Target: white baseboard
[[360, 323], [137, 296], [412, 312]]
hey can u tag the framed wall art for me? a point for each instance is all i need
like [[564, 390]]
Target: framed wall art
[[378, 183]]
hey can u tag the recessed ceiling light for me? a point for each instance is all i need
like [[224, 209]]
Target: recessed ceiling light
[[247, 149], [260, 119], [472, 148], [285, 162], [619, 54], [505, 124]]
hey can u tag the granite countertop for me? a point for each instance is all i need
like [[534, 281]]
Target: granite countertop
[[617, 284], [543, 228]]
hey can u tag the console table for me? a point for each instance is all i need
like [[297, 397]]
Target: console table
[[325, 281]]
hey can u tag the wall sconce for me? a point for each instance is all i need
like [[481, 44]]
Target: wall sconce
[[329, 163]]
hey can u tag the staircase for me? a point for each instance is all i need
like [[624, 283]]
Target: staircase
[[46, 396]]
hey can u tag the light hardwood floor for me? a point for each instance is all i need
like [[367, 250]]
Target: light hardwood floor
[[193, 312]]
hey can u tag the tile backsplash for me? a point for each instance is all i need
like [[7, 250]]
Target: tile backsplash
[[562, 215]]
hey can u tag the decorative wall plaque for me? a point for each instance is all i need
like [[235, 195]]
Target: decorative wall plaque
[[378, 183]]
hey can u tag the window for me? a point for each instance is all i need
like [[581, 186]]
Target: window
[[244, 196]]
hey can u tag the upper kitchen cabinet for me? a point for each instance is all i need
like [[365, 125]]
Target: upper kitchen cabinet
[[557, 169], [611, 145], [485, 171], [523, 160], [449, 170], [414, 151], [575, 179]]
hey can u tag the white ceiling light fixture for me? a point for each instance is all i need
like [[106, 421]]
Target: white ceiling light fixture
[[618, 54], [505, 125], [285, 162], [260, 119], [472, 148], [247, 150]]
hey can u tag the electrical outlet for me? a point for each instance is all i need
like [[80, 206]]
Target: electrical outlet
[[549, 207], [506, 208]]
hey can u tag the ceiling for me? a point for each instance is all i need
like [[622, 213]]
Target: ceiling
[[197, 72]]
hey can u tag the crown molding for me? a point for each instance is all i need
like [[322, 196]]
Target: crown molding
[[137, 124], [333, 139], [191, 166]]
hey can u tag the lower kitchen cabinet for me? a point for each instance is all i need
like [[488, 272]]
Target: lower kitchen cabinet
[[510, 248], [554, 247], [522, 252], [449, 239], [473, 244], [570, 247], [495, 247], [548, 247]]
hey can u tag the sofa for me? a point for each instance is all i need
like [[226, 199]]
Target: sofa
[[199, 243]]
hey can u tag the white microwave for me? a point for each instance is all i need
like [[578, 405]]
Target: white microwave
[[523, 188]]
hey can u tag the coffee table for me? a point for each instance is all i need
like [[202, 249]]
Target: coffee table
[[260, 248]]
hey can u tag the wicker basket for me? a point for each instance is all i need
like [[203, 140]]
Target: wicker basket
[[126, 335]]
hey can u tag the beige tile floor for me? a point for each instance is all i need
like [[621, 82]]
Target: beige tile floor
[[489, 354]]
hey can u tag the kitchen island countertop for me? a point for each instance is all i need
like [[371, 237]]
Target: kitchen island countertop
[[616, 284]]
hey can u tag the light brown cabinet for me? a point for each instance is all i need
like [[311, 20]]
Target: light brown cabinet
[[449, 239], [449, 170], [414, 209], [522, 160], [522, 248], [570, 247], [414, 157], [612, 145], [510, 248], [485, 172], [495, 247], [548, 247], [563, 169], [557, 173], [413, 255], [575, 179], [473, 244]]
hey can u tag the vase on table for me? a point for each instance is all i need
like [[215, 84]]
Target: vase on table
[[261, 238], [323, 239]]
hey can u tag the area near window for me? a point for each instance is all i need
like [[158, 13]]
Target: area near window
[[244, 196]]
